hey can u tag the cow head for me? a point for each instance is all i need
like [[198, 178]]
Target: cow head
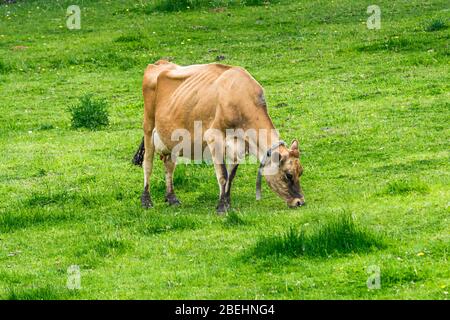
[[283, 173]]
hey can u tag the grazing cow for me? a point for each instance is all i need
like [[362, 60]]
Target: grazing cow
[[219, 98]]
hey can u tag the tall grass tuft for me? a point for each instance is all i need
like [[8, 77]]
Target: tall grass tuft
[[39, 293], [340, 235], [18, 218], [176, 5], [403, 187], [258, 2], [89, 113], [109, 246], [234, 219], [4, 67], [157, 224], [181, 5], [436, 25]]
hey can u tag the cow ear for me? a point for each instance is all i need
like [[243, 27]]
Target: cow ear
[[294, 150], [294, 145]]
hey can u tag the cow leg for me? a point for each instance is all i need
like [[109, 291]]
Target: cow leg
[[147, 164], [170, 165], [215, 140], [222, 178], [232, 173]]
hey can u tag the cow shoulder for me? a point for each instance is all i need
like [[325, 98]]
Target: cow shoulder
[[238, 86], [153, 71]]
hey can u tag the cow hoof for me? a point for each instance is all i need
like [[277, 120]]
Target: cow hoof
[[222, 208], [146, 201], [172, 200]]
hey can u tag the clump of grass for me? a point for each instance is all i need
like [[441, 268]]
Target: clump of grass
[[161, 224], [4, 67], [395, 45], [89, 113], [133, 41], [340, 235], [258, 2], [93, 252], [403, 273], [108, 246], [38, 293], [177, 5], [436, 25], [17, 219], [403, 187], [112, 59], [129, 38], [46, 126], [181, 5], [41, 172], [48, 198], [234, 219], [187, 176], [291, 243]]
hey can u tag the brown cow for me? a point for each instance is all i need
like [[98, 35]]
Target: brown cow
[[215, 98]]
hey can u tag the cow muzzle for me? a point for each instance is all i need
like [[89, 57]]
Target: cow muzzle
[[296, 202]]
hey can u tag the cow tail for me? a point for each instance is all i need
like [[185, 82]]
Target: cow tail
[[139, 155]]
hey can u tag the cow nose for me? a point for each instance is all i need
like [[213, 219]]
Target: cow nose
[[295, 203]]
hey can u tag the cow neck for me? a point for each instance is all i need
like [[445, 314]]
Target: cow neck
[[267, 137], [271, 144], [265, 148]]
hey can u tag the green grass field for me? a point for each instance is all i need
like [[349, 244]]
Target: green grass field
[[371, 109]]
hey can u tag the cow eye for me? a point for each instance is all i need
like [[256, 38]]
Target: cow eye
[[288, 176]]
